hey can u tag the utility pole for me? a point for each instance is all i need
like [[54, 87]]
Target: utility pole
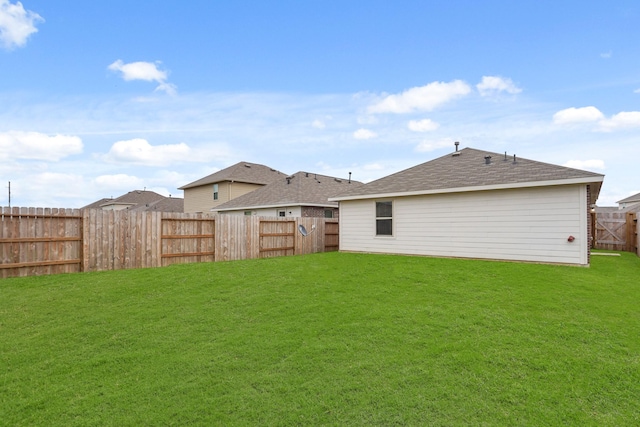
[[9, 193]]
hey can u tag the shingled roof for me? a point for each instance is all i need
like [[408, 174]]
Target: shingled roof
[[470, 169], [251, 173], [630, 199], [299, 189], [141, 200]]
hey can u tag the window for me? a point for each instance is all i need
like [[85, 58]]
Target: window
[[215, 191], [328, 213], [247, 213], [282, 213], [384, 218]]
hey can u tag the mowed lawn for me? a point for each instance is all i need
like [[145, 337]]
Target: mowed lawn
[[325, 339]]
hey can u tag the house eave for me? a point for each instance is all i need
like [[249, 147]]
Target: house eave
[[279, 205], [573, 181]]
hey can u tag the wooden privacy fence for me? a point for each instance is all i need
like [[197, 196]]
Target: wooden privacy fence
[[617, 231], [36, 241]]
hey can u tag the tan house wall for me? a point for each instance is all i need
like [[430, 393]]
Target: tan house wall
[[200, 199]]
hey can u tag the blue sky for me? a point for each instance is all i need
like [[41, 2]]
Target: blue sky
[[100, 98]]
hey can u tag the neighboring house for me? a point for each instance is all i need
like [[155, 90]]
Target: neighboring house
[[302, 194], [139, 200], [213, 190], [629, 202], [474, 204]]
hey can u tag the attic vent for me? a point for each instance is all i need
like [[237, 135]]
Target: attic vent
[[487, 160], [456, 153]]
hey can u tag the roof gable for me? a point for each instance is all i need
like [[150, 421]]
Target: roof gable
[[141, 200], [246, 172], [633, 198], [471, 169], [299, 189]]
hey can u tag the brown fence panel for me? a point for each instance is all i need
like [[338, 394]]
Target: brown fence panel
[[187, 238], [36, 241], [331, 236], [277, 237], [611, 231]]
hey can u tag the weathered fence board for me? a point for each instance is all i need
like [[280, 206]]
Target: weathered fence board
[[36, 241]]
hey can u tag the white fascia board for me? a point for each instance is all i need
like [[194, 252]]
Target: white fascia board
[[571, 181], [281, 205]]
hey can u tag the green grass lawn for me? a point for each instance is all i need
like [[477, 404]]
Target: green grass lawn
[[325, 339]]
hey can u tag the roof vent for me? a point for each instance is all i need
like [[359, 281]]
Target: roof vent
[[247, 165], [487, 160], [288, 180], [456, 153], [338, 180], [514, 159]]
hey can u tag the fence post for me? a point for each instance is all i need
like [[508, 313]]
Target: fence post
[[630, 237], [637, 240]]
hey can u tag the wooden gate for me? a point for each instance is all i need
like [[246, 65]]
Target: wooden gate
[[616, 231]]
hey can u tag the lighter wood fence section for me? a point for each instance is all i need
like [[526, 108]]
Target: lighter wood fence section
[[36, 241], [616, 231]]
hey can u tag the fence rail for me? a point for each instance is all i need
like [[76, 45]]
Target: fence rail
[[38, 241]]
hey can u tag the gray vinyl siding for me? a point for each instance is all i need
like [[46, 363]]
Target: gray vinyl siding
[[530, 224]]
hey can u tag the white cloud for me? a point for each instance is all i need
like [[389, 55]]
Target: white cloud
[[428, 145], [38, 146], [16, 24], [585, 164], [318, 124], [577, 115], [367, 120], [636, 91], [146, 71], [606, 55], [364, 134], [139, 151], [492, 85], [423, 98], [425, 125], [625, 119]]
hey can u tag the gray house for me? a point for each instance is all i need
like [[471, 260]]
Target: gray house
[[303, 194], [474, 204]]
